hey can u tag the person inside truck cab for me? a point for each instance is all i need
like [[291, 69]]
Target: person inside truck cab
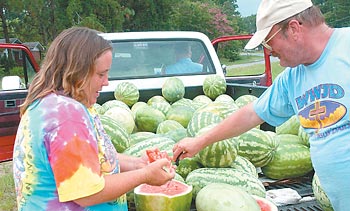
[[184, 63], [314, 86], [63, 159]]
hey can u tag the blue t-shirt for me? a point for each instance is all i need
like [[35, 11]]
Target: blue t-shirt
[[184, 65], [319, 94]]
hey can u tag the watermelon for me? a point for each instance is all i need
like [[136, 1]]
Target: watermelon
[[173, 89], [243, 164], [218, 154], [123, 116], [161, 142], [200, 120], [201, 177], [177, 134], [289, 138], [244, 100], [156, 99], [223, 196], [187, 165], [141, 136], [304, 136], [148, 118], [168, 125], [136, 106], [320, 195], [202, 99], [173, 196], [161, 106], [118, 134], [113, 103], [213, 86], [225, 98], [99, 109], [257, 146], [127, 92], [183, 102], [223, 109], [265, 204], [291, 126], [290, 160], [181, 114]]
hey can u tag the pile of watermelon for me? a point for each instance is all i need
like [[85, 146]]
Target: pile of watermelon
[[163, 120]]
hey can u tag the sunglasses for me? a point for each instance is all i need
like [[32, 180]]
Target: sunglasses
[[264, 42]]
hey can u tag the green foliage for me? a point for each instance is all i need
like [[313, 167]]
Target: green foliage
[[230, 50], [6, 63], [43, 20], [336, 12]]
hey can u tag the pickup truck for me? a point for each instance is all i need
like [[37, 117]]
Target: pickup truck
[[142, 58], [17, 69]]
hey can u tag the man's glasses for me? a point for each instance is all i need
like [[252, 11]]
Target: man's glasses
[[264, 43]]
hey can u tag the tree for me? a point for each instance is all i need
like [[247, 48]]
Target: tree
[[336, 12]]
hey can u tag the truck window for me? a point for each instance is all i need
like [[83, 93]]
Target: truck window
[[152, 58], [16, 71]]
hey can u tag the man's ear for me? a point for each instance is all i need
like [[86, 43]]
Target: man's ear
[[294, 28]]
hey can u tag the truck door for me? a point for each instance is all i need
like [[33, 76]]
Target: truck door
[[17, 69]]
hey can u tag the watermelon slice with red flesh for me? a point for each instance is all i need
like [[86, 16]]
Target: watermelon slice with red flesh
[[172, 196], [265, 204], [156, 154]]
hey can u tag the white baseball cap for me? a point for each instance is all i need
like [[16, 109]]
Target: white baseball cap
[[271, 12]]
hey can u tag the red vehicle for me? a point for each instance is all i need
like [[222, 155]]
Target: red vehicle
[[17, 69]]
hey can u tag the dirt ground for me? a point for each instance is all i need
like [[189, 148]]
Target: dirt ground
[[5, 167]]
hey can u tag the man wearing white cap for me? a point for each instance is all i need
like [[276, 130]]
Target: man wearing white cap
[[315, 86]]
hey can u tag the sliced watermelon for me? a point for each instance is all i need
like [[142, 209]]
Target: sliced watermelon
[[173, 196]]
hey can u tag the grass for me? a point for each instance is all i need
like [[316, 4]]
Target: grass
[[253, 69], [7, 190]]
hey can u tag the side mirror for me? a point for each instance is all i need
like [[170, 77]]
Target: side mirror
[[11, 82]]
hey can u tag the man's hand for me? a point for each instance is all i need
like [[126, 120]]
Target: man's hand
[[187, 147]]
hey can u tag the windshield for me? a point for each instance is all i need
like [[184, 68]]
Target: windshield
[[160, 58]]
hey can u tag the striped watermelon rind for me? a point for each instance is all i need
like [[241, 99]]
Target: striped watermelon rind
[[244, 100], [168, 125], [161, 142], [203, 176], [200, 120], [148, 118], [290, 160], [291, 126], [123, 116], [218, 154], [173, 89], [225, 197], [127, 92], [320, 195], [257, 146], [214, 85], [181, 114], [118, 134], [243, 164], [150, 201], [187, 165]]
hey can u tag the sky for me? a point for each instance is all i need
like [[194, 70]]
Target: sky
[[248, 7]]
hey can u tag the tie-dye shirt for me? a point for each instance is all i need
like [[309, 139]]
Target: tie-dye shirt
[[61, 154]]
